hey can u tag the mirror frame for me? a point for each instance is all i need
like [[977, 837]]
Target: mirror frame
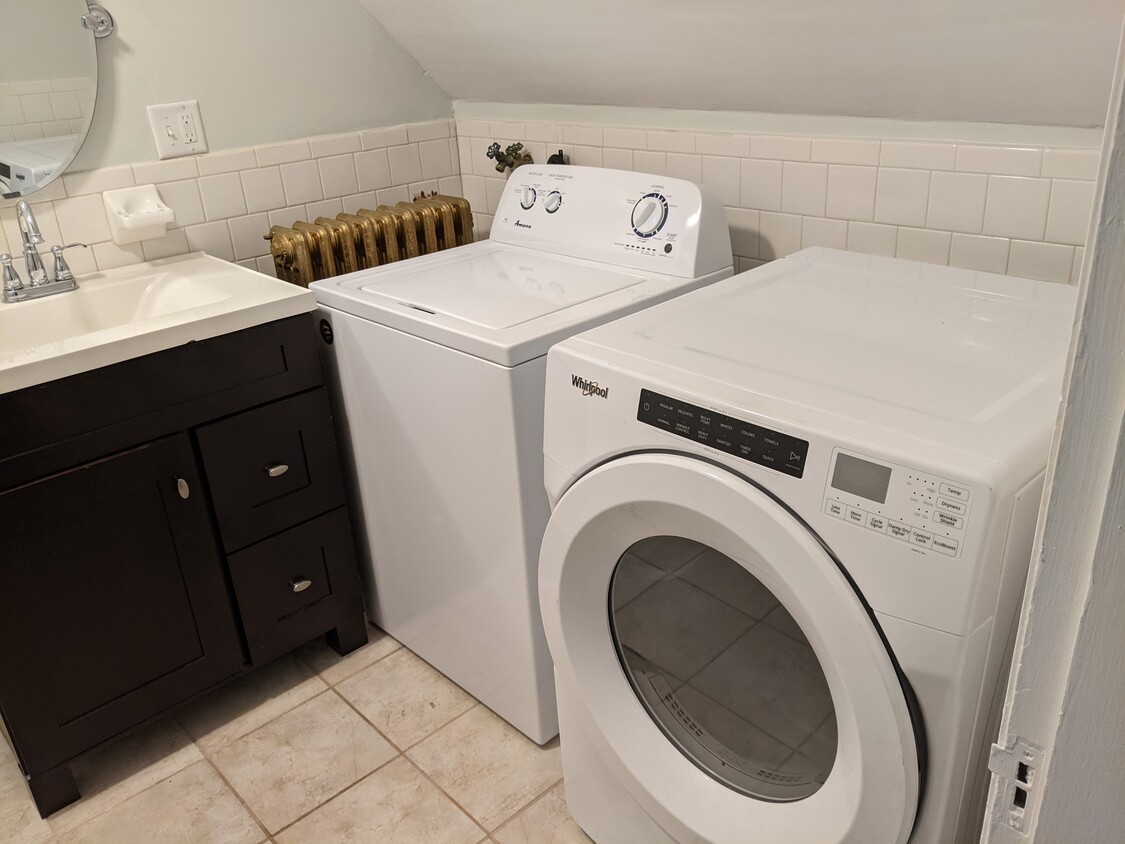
[[99, 23]]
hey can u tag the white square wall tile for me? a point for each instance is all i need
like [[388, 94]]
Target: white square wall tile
[[373, 168], [248, 236], [781, 147], [406, 164], [901, 196], [282, 153], [722, 177], [917, 155], [851, 192], [1068, 216], [671, 141], [324, 208], [731, 145], [391, 196], [845, 151], [262, 188], [82, 219], [172, 170], [645, 161], [976, 252], [184, 199], [338, 176], [816, 231], [1041, 261], [212, 238], [590, 136], [613, 136], [301, 181], [804, 188], [617, 159], [493, 189], [685, 166], [999, 161], [471, 128], [389, 137], [744, 227], [761, 184], [547, 133], [173, 243], [230, 161], [872, 238], [585, 156], [110, 256], [341, 144], [96, 181], [222, 196], [778, 235], [1017, 207], [957, 202], [431, 130], [449, 186], [436, 163], [1071, 164], [925, 245], [473, 190]]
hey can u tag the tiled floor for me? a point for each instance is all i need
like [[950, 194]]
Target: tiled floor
[[373, 747]]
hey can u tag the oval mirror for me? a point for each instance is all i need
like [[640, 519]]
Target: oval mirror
[[48, 84]]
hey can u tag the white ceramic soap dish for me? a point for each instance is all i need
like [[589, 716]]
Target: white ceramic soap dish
[[136, 214]]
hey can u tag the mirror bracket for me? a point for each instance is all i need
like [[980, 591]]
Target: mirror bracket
[[98, 20]]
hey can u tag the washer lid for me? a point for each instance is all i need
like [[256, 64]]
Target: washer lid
[[506, 304]]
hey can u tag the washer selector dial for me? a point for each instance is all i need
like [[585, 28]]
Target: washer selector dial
[[552, 202], [649, 214], [528, 197]]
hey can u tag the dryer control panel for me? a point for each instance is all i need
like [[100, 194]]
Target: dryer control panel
[[911, 506]]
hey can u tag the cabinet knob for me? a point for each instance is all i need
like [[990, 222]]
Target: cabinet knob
[[300, 583], [182, 488], [276, 470]]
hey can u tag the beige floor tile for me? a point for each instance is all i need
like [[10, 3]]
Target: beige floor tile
[[19, 819], [292, 765], [546, 821], [193, 806], [248, 703], [487, 766], [395, 804], [405, 698], [114, 773], [333, 668]]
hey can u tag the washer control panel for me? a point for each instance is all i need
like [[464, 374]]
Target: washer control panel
[[637, 220], [922, 510], [728, 434]]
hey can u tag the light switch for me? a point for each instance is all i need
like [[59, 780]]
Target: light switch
[[177, 129]]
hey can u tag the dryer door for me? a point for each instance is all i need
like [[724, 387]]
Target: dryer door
[[722, 661]]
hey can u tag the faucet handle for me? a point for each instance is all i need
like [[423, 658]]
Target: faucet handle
[[11, 277], [62, 269]]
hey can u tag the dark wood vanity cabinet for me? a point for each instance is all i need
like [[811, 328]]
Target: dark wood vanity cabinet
[[173, 528]]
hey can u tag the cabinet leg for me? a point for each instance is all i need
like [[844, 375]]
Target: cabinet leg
[[53, 790], [348, 635]]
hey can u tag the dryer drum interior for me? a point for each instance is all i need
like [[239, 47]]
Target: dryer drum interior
[[723, 669]]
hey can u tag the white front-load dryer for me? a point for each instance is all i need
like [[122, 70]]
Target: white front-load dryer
[[437, 367], [787, 548]]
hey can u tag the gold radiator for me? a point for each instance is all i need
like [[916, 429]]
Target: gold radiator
[[305, 252]]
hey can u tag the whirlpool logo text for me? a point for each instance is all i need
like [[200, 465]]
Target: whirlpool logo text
[[589, 388]]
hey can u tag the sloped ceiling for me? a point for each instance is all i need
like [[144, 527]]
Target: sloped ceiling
[[1046, 62]]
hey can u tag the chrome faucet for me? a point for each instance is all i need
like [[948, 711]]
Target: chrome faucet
[[29, 231], [38, 285]]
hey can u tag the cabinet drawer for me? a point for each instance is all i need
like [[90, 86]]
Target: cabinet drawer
[[272, 467], [296, 585]]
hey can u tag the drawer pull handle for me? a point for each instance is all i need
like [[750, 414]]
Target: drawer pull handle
[[300, 583], [182, 488], [276, 470]]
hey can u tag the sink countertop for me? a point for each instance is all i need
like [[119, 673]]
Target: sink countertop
[[125, 313]]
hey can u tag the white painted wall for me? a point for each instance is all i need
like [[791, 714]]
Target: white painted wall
[[1006, 61], [262, 70], [1066, 693]]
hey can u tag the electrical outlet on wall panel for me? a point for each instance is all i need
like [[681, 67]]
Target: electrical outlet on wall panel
[[177, 129]]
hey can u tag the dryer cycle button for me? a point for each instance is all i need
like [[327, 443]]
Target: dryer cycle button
[[899, 530], [921, 538], [834, 508], [946, 546], [857, 516], [876, 523], [948, 520], [947, 506], [950, 491]]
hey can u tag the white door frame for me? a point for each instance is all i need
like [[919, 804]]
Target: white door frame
[[1064, 716]]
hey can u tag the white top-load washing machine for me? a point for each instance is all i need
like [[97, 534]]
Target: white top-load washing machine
[[438, 363], [789, 540]]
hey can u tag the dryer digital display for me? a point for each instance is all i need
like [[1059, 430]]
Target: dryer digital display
[[743, 439]]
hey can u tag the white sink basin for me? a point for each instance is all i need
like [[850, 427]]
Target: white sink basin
[[134, 311]]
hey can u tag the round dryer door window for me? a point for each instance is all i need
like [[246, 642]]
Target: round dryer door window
[[723, 669]]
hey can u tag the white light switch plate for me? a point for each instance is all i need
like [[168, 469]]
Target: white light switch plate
[[177, 129]]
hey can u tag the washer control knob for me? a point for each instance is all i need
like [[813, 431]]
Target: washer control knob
[[649, 214], [528, 197], [553, 202]]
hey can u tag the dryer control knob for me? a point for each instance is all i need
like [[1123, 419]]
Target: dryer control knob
[[528, 198], [552, 202], [649, 214]]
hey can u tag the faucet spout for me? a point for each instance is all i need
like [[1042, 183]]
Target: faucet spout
[[29, 231]]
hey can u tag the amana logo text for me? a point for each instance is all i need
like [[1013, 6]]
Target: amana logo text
[[522, 225], [589, 388]]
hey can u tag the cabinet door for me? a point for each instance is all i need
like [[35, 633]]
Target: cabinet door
[[113, 600]]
